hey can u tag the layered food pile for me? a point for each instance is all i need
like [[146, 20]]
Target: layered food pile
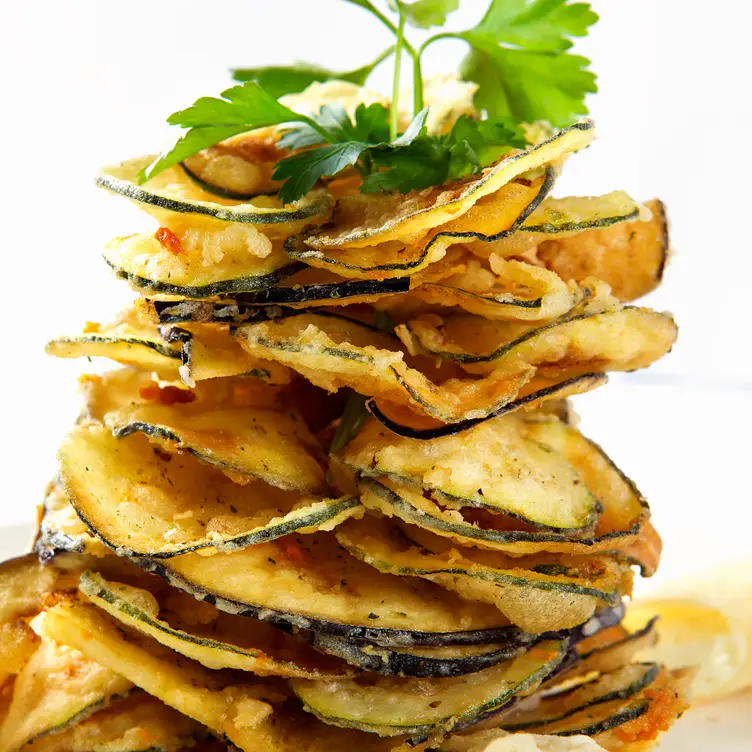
[[335, 497]]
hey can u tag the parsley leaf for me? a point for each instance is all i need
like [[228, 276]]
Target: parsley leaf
[[352, 420], [426, 13], [301, 171], [518, 60], [279, 80]]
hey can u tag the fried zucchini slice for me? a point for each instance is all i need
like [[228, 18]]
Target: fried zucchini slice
[[312, 583], [501, 212], [57, 688], [630, 256], [224, 642], [538, 594], [510, 290], [612, 340], [128, 340], [138, 723], [246, 443], [333, 352], [621, 684], [152, 269], [142, 503], [366, 221], [390, 707], [221, 700], [500, 469], [431, 662], [173, 191]]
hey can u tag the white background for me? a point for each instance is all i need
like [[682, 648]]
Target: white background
[[85, 83]]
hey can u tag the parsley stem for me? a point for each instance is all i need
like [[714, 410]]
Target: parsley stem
[[394, 107], [417, 85]]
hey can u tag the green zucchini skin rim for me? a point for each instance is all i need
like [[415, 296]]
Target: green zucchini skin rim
[[381, 636], [620, 717], [420, 733], [611, 598], [243, 309], [395, 663], [215, 190], [505, 349], [651, 672], [223, 287], [294, 244], [548, 228], [496, 536], [224, 213], [264, 535], [98, 339], [164, 433], [450, 429], [83, 714], [665, 241]]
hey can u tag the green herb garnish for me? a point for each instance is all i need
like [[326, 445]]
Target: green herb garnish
[[518, 57], [352, 420]]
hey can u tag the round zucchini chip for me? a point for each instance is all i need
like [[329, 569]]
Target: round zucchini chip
[[500, 213], [218, 641], [173, 191], [246, 443], [129, 340], [236, 260], [611, 340], [367, 221], [539, 594], [137, 723], [224, 701], [502, 468], [334, 352], [631, 256], [557, 218], [143, 503], [394, 706], [312, 583], [42, 704]]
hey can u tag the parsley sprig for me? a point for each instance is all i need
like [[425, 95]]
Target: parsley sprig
[[518, 57]]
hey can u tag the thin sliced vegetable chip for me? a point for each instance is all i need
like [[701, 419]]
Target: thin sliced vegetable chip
[[500, 469], [612, 340], [246, 443], [217, 642], [151, 268], [137, 723], [142, 503], [56, 688], [173, 191], [399, 706], [538, 594]]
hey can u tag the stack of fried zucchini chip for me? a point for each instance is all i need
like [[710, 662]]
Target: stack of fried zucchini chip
[[335, 498]]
